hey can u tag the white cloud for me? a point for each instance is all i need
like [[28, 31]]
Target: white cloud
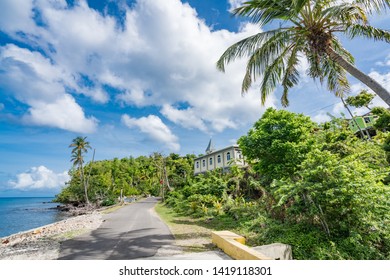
[[233, 4], [321, 117], [383, 79], [384, 63], [39, 178], [154, 128], [63, 113], [164, 54], [35, 81], [20, 10], [187, 118]]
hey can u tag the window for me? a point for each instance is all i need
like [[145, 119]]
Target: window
[[204, 163], [219, 158], [197, 164], [367, 120], [211, 161], [228, 156]]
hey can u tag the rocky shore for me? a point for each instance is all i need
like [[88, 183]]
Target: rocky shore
[[43, 243]]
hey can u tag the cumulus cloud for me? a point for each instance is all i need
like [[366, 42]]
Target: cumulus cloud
[[187, 118], [35, 81], [38, 178], [321, 117], [233, 4], [154, 128], [162, 54]]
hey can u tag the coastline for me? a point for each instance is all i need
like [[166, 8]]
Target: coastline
[[43, 243]]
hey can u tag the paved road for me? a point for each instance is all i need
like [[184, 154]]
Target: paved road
[[134, 231]]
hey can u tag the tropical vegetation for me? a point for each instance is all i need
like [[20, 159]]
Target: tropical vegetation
[[109, 180], [80, 147], [317, 187], [307, 29]]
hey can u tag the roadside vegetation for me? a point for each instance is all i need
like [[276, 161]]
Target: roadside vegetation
[[317, 187]]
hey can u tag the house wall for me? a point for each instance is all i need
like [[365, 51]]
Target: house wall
[[210, 162]]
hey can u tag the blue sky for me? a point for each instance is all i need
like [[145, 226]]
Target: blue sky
[[135, 77]]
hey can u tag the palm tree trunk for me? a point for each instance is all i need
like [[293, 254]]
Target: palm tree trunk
[[84, 184], [365, 79]]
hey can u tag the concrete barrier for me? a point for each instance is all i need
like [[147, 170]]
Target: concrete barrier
[[234, 245]]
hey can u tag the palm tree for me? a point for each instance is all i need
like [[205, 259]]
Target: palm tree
[[308, 29], [80, 146]]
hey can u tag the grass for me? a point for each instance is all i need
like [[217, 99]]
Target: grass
[[184, 227], [189, 234]]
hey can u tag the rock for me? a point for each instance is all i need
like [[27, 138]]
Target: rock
[[277, 251]]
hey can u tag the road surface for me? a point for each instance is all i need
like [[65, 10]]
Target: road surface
[[132, 232]]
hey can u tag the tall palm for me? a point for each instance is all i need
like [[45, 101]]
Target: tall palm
[[80, 147], [308, 29]]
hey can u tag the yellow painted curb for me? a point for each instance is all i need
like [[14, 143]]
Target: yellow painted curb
[[234, 245]]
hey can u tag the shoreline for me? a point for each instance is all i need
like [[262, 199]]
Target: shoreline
[[43, 243]]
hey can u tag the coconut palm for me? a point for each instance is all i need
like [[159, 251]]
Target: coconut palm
[[80, 147], [307, 29]]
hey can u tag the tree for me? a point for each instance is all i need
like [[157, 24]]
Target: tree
[[383, 121], [278, 143], [308, 29], [80, 147], [363, 99]]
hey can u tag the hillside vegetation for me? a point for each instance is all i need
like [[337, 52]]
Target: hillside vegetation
[[316, 187]]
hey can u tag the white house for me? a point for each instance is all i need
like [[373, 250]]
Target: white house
[[223, 159]]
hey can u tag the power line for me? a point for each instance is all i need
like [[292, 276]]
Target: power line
[[322, 108]]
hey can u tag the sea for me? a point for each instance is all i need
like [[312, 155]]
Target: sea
[[19, 214]]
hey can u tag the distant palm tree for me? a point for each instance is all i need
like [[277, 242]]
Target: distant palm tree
[[80, 146], [308, 29]]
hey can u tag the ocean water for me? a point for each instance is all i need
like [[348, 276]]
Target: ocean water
[[24, 213]]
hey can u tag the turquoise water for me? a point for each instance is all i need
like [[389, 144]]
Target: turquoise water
[[24, 213]]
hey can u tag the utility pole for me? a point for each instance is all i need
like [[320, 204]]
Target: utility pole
[[354, 120]]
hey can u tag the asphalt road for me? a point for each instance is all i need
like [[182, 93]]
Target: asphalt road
[[134, 231]]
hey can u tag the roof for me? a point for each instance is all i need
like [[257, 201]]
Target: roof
[[210, 147], [218, 151]]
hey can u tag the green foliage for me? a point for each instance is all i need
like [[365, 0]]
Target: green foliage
[[319, 188], [363, 99], [383, 122], [107, 179], [278, 143]]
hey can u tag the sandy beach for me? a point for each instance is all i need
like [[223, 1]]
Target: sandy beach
[[43, 243]]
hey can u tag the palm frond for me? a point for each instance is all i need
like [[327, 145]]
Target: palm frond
[[337, 81], [369, 32], [373, 6], [260, 60], [338, 47], [315, 70], [345, 13], [299, 4], [291, 75], [265, 11], [245, 47], [273, 75], [271, 78]]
